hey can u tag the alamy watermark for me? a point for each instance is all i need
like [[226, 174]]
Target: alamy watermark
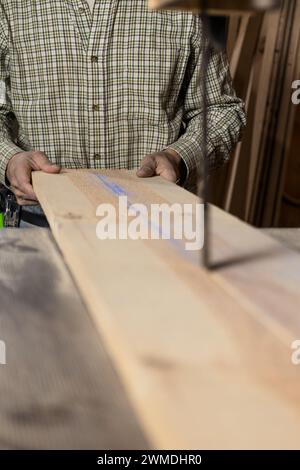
[[2, 353], [296, 92], [296, 352], [174, 222]]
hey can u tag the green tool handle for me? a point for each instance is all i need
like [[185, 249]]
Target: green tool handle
[[1, 220]]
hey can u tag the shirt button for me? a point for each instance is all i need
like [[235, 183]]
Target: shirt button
[[95, 59], [81, 10], [96, 107], [97, 156]]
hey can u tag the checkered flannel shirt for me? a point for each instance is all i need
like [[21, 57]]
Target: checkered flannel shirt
[[102, 90]]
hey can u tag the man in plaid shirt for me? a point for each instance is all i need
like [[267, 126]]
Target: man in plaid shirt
[[108, 84]]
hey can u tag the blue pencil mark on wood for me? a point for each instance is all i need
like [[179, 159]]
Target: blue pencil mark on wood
[[119, 191]]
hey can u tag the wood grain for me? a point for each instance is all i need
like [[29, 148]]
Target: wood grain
[[58, 389], [205, 357]]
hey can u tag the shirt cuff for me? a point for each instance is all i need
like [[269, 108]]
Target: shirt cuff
[[7, 151], [190, 153]]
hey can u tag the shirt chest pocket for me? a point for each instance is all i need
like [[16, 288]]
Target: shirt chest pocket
[[154, 72], [43, 49]]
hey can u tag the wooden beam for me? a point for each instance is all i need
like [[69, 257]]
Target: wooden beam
[[205, 357]]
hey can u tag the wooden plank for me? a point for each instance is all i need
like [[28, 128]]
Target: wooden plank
[[205, 357], [233, 33], [58, 389], [242, 70], [244, 51], [263, 79]]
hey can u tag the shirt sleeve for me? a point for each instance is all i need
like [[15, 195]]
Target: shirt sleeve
[[226, 113], [7, 146]]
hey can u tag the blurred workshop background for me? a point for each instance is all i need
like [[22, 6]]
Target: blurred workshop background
[[261, 184]]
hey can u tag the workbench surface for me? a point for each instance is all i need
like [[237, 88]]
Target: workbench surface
[[289, 237], [58, 388]]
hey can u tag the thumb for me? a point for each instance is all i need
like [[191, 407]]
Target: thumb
[[41, 162], [147, 168]]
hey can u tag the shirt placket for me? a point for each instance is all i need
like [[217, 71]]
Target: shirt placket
[[99, 41], [83, 18]]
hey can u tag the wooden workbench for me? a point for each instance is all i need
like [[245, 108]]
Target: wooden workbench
[[58, 389]]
